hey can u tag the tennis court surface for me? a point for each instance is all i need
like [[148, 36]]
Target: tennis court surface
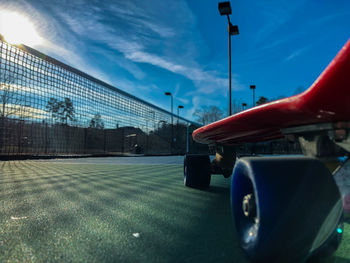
[[116, 210]]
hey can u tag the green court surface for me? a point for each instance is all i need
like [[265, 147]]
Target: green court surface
[[80, 212]]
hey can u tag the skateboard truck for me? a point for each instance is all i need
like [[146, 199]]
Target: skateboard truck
[[323, 141], [224, 160]]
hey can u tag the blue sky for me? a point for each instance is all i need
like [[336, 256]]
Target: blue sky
[[149, 47]]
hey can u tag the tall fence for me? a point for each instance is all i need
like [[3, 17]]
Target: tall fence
[[48, 108]]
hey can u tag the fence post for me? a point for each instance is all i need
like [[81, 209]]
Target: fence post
[[123, 133], [104, 141], [188, 139], [46, 140]]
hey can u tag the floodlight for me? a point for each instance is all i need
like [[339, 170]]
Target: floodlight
[[233, 29], [225, 8]]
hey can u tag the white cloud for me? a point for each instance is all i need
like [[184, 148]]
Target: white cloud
[[274, 16], [134, 39], [295, 54], [184, 101]]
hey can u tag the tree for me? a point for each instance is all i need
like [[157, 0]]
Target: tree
[[262, 100], [280, 97], [54, 107], [68, 111], [11, 103], [299, 90], [96, 122], [61, 110], [208, 114]]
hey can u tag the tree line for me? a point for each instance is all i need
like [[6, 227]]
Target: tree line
[[63, 111], [208, 114]]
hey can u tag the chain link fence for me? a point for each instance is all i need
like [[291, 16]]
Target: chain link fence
[[50, 109]]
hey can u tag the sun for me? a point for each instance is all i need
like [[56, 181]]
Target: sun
[[18, 29]]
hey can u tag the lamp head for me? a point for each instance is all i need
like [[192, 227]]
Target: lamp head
[[225, 8], [233, 29]]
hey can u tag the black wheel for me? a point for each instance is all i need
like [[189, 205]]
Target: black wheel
[[197, 171], [285, 209]]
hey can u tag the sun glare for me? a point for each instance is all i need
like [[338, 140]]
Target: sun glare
[[18, 29]]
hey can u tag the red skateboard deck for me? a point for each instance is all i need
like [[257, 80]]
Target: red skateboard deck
[[327, 100]]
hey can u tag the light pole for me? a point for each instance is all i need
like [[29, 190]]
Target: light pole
[[178, 108], [225, 9], [172, 121], [253, 87], [171, 95]]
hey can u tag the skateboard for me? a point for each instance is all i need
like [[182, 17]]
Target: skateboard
[[286, 208]]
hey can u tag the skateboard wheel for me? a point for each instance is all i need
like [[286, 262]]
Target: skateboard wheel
[[285, 209], [197, 171]]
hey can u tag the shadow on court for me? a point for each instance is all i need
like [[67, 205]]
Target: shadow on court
[[64, 212], [107, 213]]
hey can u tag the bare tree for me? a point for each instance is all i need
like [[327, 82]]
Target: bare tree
[[208, 114], [11, 103]]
